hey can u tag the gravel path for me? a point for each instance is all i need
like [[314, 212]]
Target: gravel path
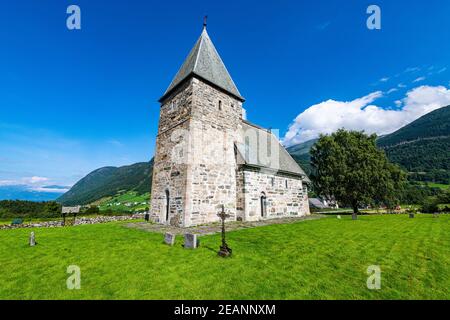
[[216, 227]]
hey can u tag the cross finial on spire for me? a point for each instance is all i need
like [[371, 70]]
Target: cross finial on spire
[[205, 20]]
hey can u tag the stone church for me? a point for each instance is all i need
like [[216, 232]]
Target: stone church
[[209, 155]]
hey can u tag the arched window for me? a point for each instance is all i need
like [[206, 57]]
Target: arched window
[[263, 204], [220, 105], [167, 204]]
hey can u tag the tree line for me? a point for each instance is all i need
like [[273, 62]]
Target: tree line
[[29, 209]]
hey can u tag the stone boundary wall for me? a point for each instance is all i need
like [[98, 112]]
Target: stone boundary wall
[[78, 221]]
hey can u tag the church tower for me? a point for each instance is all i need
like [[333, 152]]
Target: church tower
[[200, 121]]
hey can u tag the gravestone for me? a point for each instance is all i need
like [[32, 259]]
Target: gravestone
[[169, 238], [17, 221], [191, 241], [147, 217], [32, 239], [411, 215], [339, 217], [225, 250]]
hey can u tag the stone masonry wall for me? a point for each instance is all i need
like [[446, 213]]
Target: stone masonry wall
[[170, 165], [211, 181], [285, 196]]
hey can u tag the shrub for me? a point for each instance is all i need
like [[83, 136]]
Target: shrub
[[429, 206]]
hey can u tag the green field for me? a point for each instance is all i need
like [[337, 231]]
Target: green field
[[318, 259], [129, 201], [439, 185]]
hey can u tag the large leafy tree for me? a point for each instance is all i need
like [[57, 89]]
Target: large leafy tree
[[348, 167]]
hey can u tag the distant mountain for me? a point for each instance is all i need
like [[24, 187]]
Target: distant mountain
[[300, 153], [434, 125], [23, 192], [108, 181], [422, 147]]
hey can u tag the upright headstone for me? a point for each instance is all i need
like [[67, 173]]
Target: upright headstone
[[169, 238], [191, 241], [339, 217], [32, 239], [411, 215]]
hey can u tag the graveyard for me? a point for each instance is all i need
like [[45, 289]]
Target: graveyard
[[323, 258]]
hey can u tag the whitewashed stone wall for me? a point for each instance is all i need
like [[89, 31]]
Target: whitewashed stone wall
[[285, 196]]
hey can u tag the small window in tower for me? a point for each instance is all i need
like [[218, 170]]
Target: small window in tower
[[286, 183], [220, 105], [272, 181]]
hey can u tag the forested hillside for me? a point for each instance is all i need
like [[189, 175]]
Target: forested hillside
[[422, 147], [108, 181]]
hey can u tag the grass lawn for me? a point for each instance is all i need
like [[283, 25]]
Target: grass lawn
[[319, 259], [438, 185]]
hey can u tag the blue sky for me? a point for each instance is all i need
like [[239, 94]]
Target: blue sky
[[73, 101]]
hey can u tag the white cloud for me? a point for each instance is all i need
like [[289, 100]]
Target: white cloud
[[412, 69], [51, 190], [115, 142], [392, 90], [7, 182], [419, 79], [401, 85], [323, 26], [360, 114], [35, 180], [442, 70], [385, 79]]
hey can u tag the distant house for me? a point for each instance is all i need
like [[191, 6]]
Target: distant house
[[323, 204]]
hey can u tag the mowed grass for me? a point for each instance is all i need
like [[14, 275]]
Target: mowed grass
[[437, 185], [320, 259]]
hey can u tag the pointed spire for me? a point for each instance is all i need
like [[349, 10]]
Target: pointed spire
[[204, 62]]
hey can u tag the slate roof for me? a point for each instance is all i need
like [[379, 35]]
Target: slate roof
[[262, 149], [204, 61], [316, 203]]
